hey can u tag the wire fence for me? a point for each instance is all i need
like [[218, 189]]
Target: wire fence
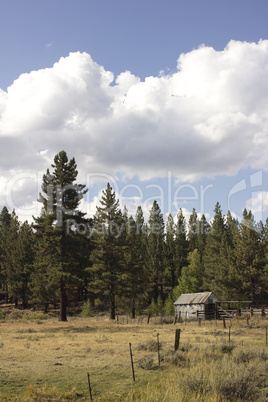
[[139, 361]]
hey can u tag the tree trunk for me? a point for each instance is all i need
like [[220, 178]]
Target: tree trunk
[[112, 308], [133, 304], [24, 302], [46, 308], [63, 302], [6, 288]]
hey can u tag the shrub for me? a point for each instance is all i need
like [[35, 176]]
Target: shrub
[[146, 363], [176, 358], [227, 348], [2, 315], [149, 346], [37, 316], [245, 356], [157, 308], [196, 383], [236, 382], [51, 394], [87, 310], [224, 380]]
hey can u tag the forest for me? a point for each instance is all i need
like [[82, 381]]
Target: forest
[[120, 263]]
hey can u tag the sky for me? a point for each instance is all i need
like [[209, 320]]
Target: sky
[[166, 101]]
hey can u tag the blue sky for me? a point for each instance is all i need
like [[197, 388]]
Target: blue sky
[[167, 100]]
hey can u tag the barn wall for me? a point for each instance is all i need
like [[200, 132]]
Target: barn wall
[[188, 311]]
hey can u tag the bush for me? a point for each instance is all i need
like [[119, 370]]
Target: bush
[[227, 348], [2, 315], [51, 394], [236, 382], [176, 358], [245, 356], [87, 310], [224, 380], [146, 363], [149, 346], [156, 308], [37, 316]]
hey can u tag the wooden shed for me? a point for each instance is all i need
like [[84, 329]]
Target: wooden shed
[[194, 305]]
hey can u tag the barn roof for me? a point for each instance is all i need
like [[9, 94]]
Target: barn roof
[[193, 298]]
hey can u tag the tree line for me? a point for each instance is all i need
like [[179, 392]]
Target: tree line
[[120, 262]]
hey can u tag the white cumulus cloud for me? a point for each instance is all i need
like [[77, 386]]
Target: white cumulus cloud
[[208, 117]]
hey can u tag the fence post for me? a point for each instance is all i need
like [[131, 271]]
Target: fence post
[[148, 319], [177, 339], [132, 364], [158, 349], [229, 334], [180, 317], [237, 310], [89, 386], [266, 336]]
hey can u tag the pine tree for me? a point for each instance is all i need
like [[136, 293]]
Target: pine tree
[[170, 272], [181, 245], [10, 258], [22, 257], [57, 231], [250, 262], [139, 221], [107, 257], [134, 276], [156, 250], [212, 258], [5, 221], [191, 280], [192, 230], [203, 229]]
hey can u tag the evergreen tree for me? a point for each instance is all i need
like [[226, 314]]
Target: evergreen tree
[[192, 231], [181, 245], [107, 257], [250, 262], [170, 272], [10, 258], [203, 229], [156, 250], [5, 221], [191, 280], [139, 221], [214, 249], [22, 257], [57, 231], [134, 276]]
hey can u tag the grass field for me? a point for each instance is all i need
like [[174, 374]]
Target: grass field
[[43, 359]]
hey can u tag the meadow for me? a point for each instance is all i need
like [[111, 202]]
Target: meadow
[[43, 359]]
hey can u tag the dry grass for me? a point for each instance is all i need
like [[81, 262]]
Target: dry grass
[[46, 360]]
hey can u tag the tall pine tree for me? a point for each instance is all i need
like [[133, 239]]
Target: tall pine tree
[[57, 230], [250, 262], [156, 250], [107, 258], [181, 245], [212, 258]]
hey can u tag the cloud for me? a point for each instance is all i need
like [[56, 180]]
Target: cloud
[[258, 203], [209, 117]]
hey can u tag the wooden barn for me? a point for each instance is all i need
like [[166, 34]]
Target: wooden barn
[[196, 305]]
